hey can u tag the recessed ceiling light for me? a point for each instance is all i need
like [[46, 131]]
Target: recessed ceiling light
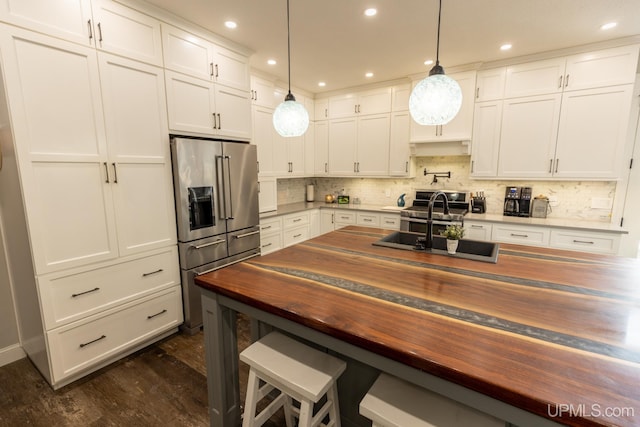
[[370, 12], [505, 46], [271, 61], [369, 74], [230, 24], [609, 26], [322, 84], [428, 62]]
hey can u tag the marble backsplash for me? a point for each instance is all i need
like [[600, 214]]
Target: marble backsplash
[[574, 198]]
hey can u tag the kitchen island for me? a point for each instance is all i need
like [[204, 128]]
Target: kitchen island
[[542, 337]]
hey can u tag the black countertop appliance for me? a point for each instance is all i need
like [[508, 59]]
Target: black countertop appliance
[[517, 201]]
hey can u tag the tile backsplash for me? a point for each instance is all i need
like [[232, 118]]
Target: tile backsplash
[[574, 198]]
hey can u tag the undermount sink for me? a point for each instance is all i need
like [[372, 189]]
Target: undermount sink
[[477, 250]]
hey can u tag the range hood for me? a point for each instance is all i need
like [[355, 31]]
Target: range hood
[[440, 148]]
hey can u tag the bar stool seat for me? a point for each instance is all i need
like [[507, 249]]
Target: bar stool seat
[[299, 372], [392, 402]]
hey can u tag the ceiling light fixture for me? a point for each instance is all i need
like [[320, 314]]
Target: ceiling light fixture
[[271, 61], [609, 26], [230, 24], [370, 12], [436, 99], [369, 74], [505, 46], [290, 117]]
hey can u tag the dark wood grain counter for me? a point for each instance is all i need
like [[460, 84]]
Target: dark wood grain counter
[[554, 333]]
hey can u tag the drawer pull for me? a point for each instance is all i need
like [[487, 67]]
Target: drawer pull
[[267, 245], [477, 226], [297, 220], [266, 227], [367, 219], [91, 342], [519, 235], [389, 222], [295, 236], [583, 241], [152, 273], [217, 242], [85, 292], [157, 314], [251, 233], [344, 217]]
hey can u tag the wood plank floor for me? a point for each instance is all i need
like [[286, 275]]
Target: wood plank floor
[[163, 384]]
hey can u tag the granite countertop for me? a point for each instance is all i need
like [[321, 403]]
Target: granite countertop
[[543, 222]]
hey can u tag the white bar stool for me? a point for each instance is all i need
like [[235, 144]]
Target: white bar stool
[[297, 371], [392, 402]]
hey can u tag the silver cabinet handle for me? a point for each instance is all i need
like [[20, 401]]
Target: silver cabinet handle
[[99, 32], [85, 292], [204, 245], [251, 233], [152, 272], [473, 163], [477, 226], [219, 121], [211, 69], [566, 81], [560, 82], [326, 166], [106, 172], [215, 121], [92, 341], [90, 30], [519, 235], [367, 219], [297, 220], [550, 165], [358, 167], [216, 70], [266, 227], [354, 166], [477, 92], [583, 241], [406, 166], [389, 222], [115, 173], [557, 163], [295, 236], [267, 245], [157, 314]]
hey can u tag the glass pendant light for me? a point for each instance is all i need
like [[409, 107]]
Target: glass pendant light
[[436, 99], [290, 117]]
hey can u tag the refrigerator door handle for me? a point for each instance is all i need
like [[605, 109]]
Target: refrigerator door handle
[[222, 193], [228, 186]]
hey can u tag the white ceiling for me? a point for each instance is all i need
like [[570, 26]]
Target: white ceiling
[[332, 40]]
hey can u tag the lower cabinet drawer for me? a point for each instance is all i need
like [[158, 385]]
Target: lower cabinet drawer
[[294, 220], [538, 236], [270, 243], [71, 295], [342, 219], [80, 346], [370, 219], [295, 235], [576, 240], [391, 222]]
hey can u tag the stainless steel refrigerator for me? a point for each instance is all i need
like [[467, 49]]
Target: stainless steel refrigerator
[[216, 195]]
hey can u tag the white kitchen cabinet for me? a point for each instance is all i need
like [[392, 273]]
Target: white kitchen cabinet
[[399, 150], [199, 106], [190, 54], [460, 127], [486, 139], [368, 219], [321, 148], [309, 138], [585, 241], [592, 133], [390, 221], [475, 230], [295, 228], [314, 223], [267, 194], [111, 27], [270, 235], [327, 220], [359, 146], [528, 136], [262, 93], [344, 217], [321, 109], [288, 156], [400, 97], [490, 84], [520, 234], [375, 101], [263, 136], [535, 78]]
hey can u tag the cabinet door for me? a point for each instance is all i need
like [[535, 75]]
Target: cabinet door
[[400, 98], [137, 136], [399, 151], [233, 112], [263, 138], [593, 132], [281, 166], [230, 68], [127, 32], [602, 68], [61, 149], [460, 127], [528, 137], [535, 78], [327, 220], [321, 109], [309, 149], [321, 148], [262, 92], [373, 145], [69, 20], [190, 104], [486, 138], [186, 53], [343, 106], [343, 134], [490, 84], [268, 194], [376, 101], [477, 230], [295, 154]]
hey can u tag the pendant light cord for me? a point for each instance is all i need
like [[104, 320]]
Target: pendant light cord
[[289, 47], [438, 39]]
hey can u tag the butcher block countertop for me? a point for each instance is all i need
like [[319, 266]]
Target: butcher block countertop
[[555, 333]]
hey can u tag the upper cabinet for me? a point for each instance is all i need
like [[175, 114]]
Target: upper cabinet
[[374, 101], [490, 84], [460, 127], [560, 118], [263, 93], [111, 27], [187, 53], [321, 109]]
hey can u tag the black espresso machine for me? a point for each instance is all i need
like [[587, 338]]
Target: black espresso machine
[[517, 201]]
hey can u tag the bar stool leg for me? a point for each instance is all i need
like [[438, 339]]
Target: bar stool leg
[[306, 413], [253, 387], [288, 413], [332, 395]]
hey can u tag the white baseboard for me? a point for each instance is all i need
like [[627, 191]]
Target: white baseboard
[[11, 354]]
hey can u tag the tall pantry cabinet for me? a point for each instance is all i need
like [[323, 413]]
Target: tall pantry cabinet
[[86, 184]]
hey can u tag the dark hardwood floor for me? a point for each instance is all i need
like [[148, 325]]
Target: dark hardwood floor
[[163, 384]]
